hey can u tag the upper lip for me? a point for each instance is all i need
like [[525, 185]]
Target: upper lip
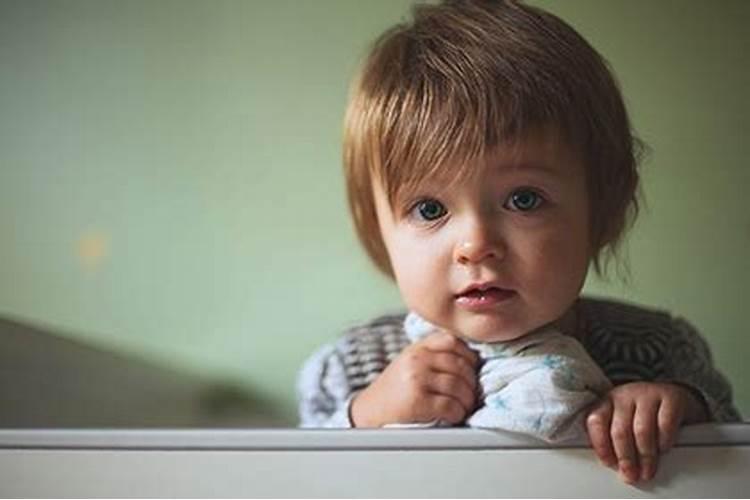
[[480, 287]]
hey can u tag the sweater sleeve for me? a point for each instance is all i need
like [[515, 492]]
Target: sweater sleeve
[[323, 391], [688, 362], [335, 373]]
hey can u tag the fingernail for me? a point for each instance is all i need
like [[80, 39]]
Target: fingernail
[[628, 471], [647, 471]]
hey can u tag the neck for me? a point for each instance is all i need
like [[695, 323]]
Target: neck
[[571, 324]]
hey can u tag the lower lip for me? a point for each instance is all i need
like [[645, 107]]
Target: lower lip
[[487, 300]]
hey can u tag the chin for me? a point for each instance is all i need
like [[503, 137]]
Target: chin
[[492, 330]]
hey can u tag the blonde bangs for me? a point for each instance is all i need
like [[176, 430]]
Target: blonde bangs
[[429, 103]]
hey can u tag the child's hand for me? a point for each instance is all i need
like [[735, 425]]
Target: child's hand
[[636, 422], [433, 379]]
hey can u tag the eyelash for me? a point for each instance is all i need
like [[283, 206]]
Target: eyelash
[[539, 200], [414, 211]]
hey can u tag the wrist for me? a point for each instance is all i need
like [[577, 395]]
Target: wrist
[[358, 417], [696, 410]]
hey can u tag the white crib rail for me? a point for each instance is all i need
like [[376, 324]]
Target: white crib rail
[[709, 461]]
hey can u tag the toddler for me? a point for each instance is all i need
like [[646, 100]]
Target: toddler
[[489, 161]]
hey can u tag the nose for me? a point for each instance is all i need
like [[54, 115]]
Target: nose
[[477, 243]]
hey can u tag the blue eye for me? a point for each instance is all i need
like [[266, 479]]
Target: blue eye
[[524, 200], [429, 210]]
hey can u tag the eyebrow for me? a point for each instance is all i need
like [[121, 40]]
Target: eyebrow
[[527, 166]]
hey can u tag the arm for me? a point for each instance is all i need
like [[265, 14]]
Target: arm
[[638, 344], [323, 390], [372, 377], [638, 421], [689, 364]]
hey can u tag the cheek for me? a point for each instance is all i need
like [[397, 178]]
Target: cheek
[[418, 270], [408, 267], [558, 263], [406, 272]]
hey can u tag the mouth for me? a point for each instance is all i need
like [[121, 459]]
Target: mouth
[[483, 296]]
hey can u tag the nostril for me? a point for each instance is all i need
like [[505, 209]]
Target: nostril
[[466, 251], [464, 260]]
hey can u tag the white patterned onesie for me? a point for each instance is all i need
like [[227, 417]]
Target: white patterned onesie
[[539, 384]]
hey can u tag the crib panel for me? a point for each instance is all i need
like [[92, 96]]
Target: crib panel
[[711, 461]]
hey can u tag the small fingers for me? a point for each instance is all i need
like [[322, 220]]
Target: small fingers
[[623, 441], [645, 430], [451, 363], [597, 426], [454, 387], [669, 418], [444, 341], [445, 408]]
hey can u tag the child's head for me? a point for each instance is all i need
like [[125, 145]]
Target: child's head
[[468, 83]]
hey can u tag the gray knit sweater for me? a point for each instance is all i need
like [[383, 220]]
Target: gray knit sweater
[[630, 343]]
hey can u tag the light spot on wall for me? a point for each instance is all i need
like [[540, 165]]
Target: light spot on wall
[[92, 249]]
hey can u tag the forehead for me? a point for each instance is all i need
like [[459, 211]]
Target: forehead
[[543, 153], [540, 153]]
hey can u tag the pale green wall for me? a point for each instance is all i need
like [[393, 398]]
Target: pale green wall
[[169, 173]]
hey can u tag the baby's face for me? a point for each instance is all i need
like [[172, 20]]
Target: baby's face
[[498, 255]]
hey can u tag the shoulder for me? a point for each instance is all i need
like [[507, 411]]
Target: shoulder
[[633, 342], [607, 313], [606, 319]]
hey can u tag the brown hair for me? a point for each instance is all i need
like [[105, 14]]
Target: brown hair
[[466, 76]]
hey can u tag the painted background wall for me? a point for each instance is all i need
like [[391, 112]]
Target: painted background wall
[[170, 176]]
